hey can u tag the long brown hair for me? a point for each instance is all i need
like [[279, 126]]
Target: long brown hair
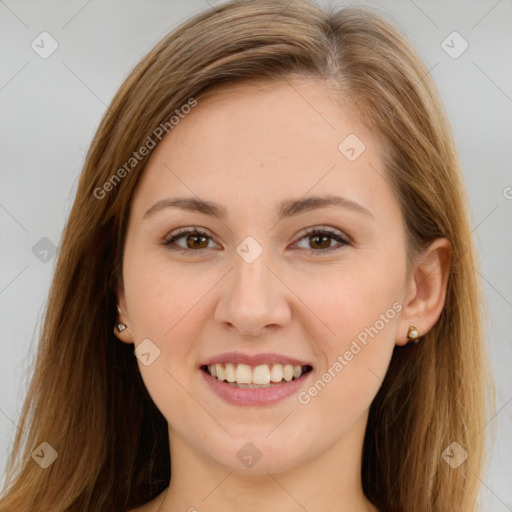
[[86, 398]]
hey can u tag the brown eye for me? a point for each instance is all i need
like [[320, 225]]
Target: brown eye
[[194, 239], [320, 240]]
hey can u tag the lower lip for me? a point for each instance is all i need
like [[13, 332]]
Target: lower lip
[[249, 397]]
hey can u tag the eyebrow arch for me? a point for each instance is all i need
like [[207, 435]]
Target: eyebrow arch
[[287, 208]]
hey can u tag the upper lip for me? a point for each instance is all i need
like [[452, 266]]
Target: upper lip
[[253, 359]]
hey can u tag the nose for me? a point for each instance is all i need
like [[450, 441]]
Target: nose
[[254, 300]]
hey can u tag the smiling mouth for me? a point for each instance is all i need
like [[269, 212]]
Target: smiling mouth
[[255, 377]]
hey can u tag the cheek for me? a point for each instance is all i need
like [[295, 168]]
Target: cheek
[[163, 305], [357, 297], [164, 308], [363, 318], [361, 309], [161, 297]]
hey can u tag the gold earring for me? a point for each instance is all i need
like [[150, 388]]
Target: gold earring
[[413, 334]]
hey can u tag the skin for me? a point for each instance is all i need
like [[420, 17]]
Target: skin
[[248, 147]]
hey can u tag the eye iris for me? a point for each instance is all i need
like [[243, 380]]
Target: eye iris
[[191, 245], [324, 238]]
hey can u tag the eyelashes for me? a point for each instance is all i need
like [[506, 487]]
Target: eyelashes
[[185, 233], [197, 236], [324, 233]]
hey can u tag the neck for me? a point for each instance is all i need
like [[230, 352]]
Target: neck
[[329, 482]]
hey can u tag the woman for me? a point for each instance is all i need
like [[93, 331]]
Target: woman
[[267, 280]]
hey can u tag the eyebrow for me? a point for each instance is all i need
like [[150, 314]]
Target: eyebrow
[[288, 208]]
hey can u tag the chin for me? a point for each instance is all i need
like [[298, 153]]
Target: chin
[[259, 454]]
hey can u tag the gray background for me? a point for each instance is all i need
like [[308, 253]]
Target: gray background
[[51, 107]]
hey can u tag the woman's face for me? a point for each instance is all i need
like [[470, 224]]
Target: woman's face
[[254, 287]]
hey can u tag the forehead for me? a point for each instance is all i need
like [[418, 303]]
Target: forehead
[[266, 139], [275, 115]]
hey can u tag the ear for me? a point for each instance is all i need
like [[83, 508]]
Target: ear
[[425, 292], [122, 318]]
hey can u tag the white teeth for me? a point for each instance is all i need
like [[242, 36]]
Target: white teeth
[[230, 372], [219, 370], [288, 372], [243, 374], [276, 374], [261, 375]]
